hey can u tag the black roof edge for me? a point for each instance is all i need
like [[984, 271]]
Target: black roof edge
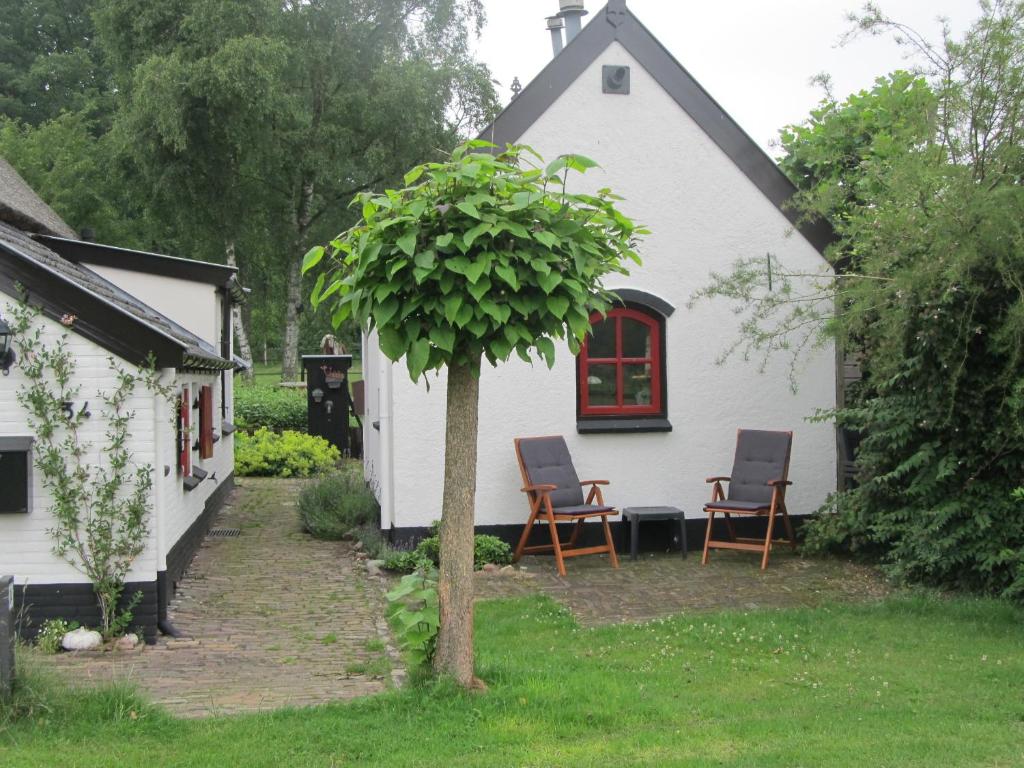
[[645, 299], [616, 22], [82, 251], [117, 331]]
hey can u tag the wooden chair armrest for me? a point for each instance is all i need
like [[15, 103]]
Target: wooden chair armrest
[[593, 482], [717, 479], [780, 482], [541, 488]]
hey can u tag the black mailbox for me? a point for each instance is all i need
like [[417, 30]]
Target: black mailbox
[[327, 399]]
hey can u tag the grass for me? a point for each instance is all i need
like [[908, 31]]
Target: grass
[[912, 681]]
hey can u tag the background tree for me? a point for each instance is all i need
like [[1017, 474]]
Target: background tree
[[476, 258], [923, 189]]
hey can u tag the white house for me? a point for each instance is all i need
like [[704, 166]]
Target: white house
[[657, 426], [128, 305]]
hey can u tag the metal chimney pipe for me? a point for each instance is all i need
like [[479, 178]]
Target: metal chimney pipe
[[555, 25], [573, 12]]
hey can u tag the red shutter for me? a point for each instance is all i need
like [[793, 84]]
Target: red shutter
[[206, 423], [184, 432]]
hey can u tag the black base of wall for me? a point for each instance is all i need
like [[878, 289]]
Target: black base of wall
[[655, 535], [36, 603]]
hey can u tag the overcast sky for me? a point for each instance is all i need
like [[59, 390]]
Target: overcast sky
[[755, 57]]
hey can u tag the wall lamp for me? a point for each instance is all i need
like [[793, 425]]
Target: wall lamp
[[7, 356]]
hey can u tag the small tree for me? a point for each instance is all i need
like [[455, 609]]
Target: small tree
[[477, 257]]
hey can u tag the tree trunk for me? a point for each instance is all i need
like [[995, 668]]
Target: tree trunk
[[236, 319], [290, 350], [454, 654]]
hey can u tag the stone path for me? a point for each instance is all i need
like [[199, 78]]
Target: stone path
[[273, 618], [665, 584]]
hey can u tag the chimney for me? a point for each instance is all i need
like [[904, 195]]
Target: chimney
[[573, 12], [555, 24]]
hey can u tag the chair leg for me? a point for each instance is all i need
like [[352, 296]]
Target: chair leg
[[634, 536], [608, 539], [556, 544], [524, 537], [768, 539], [707, 538], [682, 534], [730, 527], [789, 526], [575, 534]]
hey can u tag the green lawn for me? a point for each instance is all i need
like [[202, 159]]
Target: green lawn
[[910, 682]]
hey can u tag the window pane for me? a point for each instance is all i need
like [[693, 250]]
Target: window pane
[[636, 338], [602, 342], [601, 385], [636, 383], [14, 481]]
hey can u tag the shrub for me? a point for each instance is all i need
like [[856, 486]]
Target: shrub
[[486, 549], [276, 408], [336, 505], [413, 610], [52, 633], [289, 454]]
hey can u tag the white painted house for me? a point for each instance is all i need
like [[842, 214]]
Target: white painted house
[[127, 305], [658, 428]]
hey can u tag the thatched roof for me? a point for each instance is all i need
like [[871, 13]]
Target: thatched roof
[[23, 209]]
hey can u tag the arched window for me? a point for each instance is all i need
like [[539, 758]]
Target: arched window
[[621, 365]]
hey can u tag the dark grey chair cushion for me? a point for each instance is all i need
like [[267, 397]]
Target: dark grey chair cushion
[[547, 462], [583, 509], [760, 456], [737, 506]]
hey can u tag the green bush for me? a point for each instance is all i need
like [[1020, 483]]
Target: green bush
[[288, 454], [52, 633], [336, 505], [276, 408], [486, 550]]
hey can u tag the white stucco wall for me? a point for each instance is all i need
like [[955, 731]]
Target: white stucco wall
[[192, 305], [704, 214], [25, 545]]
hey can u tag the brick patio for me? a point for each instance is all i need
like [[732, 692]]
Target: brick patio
[[273, 618]]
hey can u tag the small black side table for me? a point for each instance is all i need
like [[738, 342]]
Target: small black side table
[[635, 514]]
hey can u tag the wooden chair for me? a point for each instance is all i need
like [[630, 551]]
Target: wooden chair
[[555, 494], [757, 487]]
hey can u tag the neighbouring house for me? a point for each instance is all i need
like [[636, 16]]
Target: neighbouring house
[[644, 405], [129, 306]]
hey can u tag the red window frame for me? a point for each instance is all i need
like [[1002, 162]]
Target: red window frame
[[621, 408], [185, 432], [206, 422]]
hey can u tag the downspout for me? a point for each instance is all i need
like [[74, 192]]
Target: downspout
[[387, 441], [165, 473]]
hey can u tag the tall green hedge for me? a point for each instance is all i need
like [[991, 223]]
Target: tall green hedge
[[275, 408]]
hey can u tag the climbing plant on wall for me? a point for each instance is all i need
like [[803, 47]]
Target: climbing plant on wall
[[100, 505]]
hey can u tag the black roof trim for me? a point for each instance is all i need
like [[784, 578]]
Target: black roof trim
[[97, 320], [644, 299], [82, 251], [617, 22]]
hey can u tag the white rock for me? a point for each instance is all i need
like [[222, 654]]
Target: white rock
[[128, 642], [81, 639]]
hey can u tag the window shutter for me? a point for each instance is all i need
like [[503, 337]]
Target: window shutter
[[184, 434], [206, 423]]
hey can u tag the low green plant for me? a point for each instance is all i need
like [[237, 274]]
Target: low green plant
[[336, 505], [276, 408], [486, 550], [52, 632], [413, 610], [288, 454]]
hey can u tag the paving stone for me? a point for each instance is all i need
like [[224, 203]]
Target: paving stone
[[253, 611]]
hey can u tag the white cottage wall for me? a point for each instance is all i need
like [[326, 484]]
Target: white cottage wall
[[704, 214], [25, 545], [192, 305]]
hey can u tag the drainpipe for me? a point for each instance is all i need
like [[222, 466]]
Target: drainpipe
[[573, 12], [165, 474], [385, 408]]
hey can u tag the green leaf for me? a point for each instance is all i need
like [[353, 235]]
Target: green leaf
[[546, 238], [464, 315], [480, 288], [312, 258], [386, 310], [452, 305], [443, 241], [558, 305], [443, 338], [475, 270], [425, 259], [549, 281], [547, 350], [474, 233], [500, 348], [314, 297], [392, 343], [407, 242], [416, 360], [411, 177], [541, 266], [469, 209], [508, 274], [459, 264]]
